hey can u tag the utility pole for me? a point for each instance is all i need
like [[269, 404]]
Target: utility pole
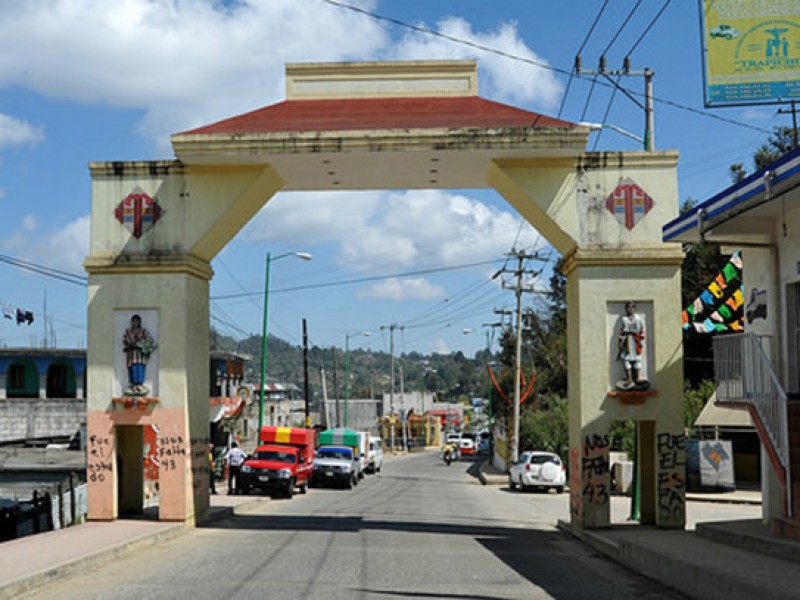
[[391, 329], [518, 288], [793, 112], [305, 373], [648, 74], [335, 385]]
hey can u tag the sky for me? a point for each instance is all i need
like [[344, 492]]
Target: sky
[[84, 81]]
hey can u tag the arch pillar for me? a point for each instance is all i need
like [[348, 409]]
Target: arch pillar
[[611, 257], [156, 265]]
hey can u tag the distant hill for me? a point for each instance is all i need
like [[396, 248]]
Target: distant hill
[[453, 377]]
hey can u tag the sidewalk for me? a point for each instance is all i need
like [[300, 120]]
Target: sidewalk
[[39, 559], [719, 560]]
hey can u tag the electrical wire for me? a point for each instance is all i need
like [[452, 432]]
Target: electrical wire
[[46, 271], [578, 53], [648, 28], [361, 279], [536, 63], [622, 26]]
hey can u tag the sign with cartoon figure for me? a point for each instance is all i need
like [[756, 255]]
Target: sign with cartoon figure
[[136, 361], [752, 51]]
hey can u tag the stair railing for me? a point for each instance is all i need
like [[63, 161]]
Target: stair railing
[[745, 377]]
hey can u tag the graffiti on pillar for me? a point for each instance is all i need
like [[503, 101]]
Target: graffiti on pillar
[[595, 469], [98, 458], [171, 449], [671, 456]]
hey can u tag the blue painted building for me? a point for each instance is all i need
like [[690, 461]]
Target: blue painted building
[[42, 373]]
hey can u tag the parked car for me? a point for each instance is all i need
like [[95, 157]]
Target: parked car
[[543, 470], [452, 437], [280, 464], [467, 446], [336, 465]]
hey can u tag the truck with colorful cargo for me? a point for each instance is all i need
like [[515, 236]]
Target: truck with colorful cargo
[[282, 462], [350, 439]]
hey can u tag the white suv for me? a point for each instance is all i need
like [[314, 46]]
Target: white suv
[[543, 470]]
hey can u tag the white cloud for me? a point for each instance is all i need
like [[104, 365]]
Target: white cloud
[[184, 63], [408, 229], [501, 78], [15, 132], [402, 289], [64, 248], [440, 346], [190, 63]]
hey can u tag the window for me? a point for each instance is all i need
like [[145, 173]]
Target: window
[[16, 376]]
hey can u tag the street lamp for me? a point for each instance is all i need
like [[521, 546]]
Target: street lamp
[[599, 126], [270, 259], [347, 337]]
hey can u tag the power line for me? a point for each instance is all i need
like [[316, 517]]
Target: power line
[[44, 270], [649, 27], [530, 61], [360, 280]]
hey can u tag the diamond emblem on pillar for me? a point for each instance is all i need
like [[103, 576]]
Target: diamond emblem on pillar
[[629, 203], [138, 212]]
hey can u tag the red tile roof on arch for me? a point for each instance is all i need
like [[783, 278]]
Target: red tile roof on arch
[[350, 114]]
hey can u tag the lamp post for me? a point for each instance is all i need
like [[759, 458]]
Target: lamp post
[[270, 259], [620, 130], [347, 337]]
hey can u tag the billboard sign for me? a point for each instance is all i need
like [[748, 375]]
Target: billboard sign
[[752, 51]]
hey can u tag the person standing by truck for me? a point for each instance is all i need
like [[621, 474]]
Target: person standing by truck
[[235, 458]]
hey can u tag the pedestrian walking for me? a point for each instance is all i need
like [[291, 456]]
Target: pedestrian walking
[[235, 458]]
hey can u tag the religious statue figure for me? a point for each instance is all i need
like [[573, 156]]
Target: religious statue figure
[[631, 349], [138, 345]]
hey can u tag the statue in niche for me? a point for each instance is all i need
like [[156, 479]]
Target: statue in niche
[[138, 345], [631, 349]]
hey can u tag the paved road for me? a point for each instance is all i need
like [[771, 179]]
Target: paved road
[[418, 529]]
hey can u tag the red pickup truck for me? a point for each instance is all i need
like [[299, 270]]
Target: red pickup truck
[[282, 462]]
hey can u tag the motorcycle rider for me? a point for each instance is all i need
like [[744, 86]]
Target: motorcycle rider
[[449, 452]]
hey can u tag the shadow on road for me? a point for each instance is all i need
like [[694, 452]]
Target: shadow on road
[[551, 560]]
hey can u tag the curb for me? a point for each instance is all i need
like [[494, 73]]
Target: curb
[[28, 583], [20, 586]]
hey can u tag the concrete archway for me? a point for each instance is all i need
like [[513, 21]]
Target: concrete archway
[[156, 225]]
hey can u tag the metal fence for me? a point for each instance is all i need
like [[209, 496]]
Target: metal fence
[[43, 512], [744, 375]]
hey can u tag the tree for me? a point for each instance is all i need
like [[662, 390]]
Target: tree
[[782, 141]]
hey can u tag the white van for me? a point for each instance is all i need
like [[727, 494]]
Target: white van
[[375, 455], [363, 453]]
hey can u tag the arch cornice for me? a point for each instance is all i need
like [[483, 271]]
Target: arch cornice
[[153, 263], [662, 255]]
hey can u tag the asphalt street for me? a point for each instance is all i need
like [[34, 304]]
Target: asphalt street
[[417, 529]]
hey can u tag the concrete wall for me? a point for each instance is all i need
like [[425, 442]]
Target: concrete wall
[[24, 419]]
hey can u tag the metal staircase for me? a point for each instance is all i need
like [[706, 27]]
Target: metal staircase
[[745, 378]]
